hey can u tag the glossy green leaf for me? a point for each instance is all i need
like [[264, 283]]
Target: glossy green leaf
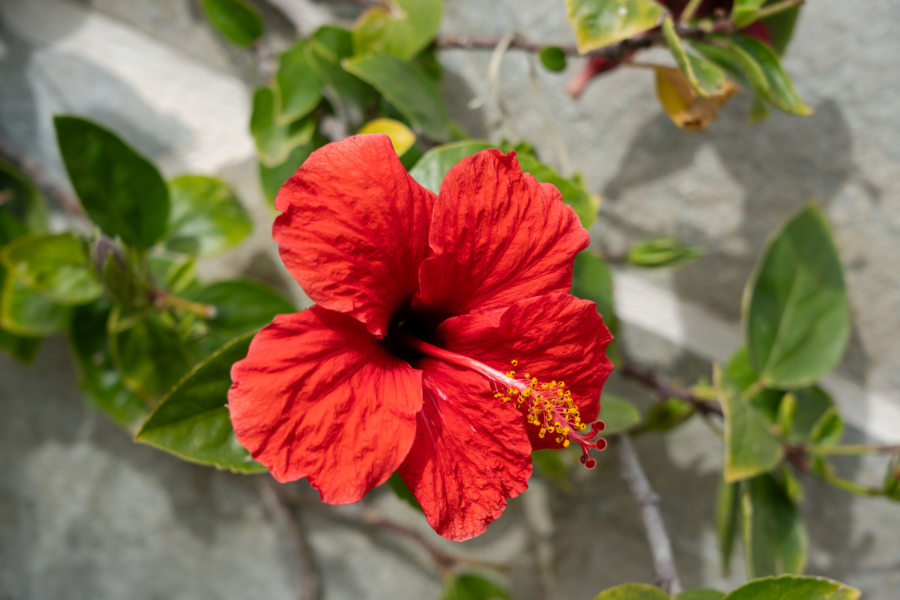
[[663, 252], [400, 28], [573, 193], [814, 418], [406, 88], [553, 58], [348, 94], [700, 594], [781, 28], [274, 140], [470, 586], [299, 86], [750, 446], [744, 11], [633, 591], [598, 23], [431, 169], [234, 19], [192, 421], [207, 217], [22, 206], [618, 414], [26, 312], [121, 191], [101, 381], [272, 178], [58, 266], [241, 306], [756, 57], [789, 587], [705, 78], [796, 310], [727, 512], [148, 351], [774, 535]]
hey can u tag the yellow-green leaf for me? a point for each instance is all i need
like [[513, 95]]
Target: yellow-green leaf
[[402, 137], [598, 23], [398, 27]]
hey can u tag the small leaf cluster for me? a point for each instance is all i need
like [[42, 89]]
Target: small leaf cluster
[[124, 288], [707, 48]]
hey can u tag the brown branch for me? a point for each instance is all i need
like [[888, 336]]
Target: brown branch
[[666, 390], [613, 52], [371, 519], [36, 174], [309, 577], [648, 503]]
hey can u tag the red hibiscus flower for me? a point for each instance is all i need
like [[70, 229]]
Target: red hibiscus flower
[[443, 342]]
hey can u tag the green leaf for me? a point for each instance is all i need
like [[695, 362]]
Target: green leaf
[[814, 418], [750, 446], [705, 78], [121, 191], [618, 414], [147, 350], [407, 88], [892, 479], [796, 310], [272, 178], [633, 591], [781, 28], [549, 465], [400, 28], [765, 74], [350, 96], [298, 84], [700, 594], [592, 280], [663, 416], [553, 58], [241, 306], [573, 193], [58, 266], [774, 536], [29, 313], [234, 19], [23, 349], [22, 206], [431, 169], [207, 217], [398, 486], [727, 511], [663, 252], [192, 421], [275, 140], [741, 373], [599, 23], [794, 588], [101, 381], [744, 11], [469, 586]]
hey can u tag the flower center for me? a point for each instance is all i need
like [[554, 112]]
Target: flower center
[[547, 406]]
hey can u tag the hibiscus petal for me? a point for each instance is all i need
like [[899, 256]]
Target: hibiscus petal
[[354, 229], [318, 397], [552, 337], [497, 236], [471, 452]]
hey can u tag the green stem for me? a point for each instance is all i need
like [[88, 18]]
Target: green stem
[[852, 449], [753, 390], [163, 299], [774, 9], [689, 11], [849, 486]]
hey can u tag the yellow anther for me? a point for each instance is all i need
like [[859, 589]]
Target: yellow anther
[[514, 362]]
